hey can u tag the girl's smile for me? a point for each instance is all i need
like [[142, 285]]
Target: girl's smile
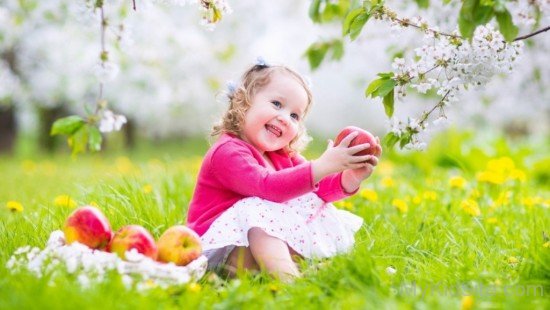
[[274, 117]]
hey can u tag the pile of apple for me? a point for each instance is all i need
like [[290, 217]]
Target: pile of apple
[[89, 226]]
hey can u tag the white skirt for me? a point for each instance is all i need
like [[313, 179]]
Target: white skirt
[[311, 227]]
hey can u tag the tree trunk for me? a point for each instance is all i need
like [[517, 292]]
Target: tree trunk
[[130, 134], [8, 129], [47, 116]]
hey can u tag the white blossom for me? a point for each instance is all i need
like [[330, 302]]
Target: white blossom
[[111, 121], [90, 266], [106, 71]]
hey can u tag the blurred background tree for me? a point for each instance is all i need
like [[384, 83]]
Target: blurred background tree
[[169, 71]]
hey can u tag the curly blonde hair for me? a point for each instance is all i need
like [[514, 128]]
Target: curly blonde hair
[[240, 101]]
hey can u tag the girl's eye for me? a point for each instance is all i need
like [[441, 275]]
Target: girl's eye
[[295, 116], [276, 103]]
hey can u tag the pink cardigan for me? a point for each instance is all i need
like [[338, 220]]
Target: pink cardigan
[[233, 169]]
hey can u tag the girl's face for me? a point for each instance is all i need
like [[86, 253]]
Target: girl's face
[[275, 114]]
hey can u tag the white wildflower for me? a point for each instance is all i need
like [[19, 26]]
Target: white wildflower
[[391, 270]]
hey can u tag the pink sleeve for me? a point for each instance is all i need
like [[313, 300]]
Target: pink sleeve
[[330, 187], [236, 168]]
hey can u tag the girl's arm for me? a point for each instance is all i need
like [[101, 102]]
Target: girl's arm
[[332, 170], [237, 169]]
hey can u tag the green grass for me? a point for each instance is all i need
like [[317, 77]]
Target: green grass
[[440, 251]]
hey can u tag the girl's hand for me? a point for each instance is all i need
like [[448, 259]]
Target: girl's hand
[[351, 179], [339, 158]]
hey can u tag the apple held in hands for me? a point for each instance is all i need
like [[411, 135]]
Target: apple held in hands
[[133, 237], [363, 137], [88, 225], [179, 245]]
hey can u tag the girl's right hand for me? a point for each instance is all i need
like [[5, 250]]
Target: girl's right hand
[[339, 158]]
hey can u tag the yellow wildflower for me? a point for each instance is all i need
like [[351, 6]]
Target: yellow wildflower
[[471, 207], [124, 165], [503, 199], [517, 174], [475, 194], [512, 260], [147, 188], [28, 166], [492, 220], [430, 195], [457, 182], [400, 204], [501, 170], [94, 204], [369, 194], [502, 164], [274, 288], [417, 200], [546, 244], [345, 205], [490, 177], [194, 287], [531, 201], [14, 206], [64, 201], [388, 182], [150, 283], [467, 302]]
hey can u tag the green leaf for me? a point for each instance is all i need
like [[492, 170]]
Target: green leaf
[[67, 125], [346, 28], [466, 27], [314, 13], [390, 140], [473, 13], [405, 139], [315, 54], [357, 25], [330, 12], [337, 49], [94, 142], [388, 103], [506, 25], [387, 86], [373, 86], [385, 74], [423, 4], [78, 140]]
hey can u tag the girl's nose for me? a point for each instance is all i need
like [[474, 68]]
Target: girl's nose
[[283, 118]]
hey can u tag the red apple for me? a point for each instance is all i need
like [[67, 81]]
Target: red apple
[[133, 237], [88, 225], [363, 137], [179, 245]]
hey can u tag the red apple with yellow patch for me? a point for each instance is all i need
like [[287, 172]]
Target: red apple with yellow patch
[[133, 237], [88, 225], [179, 245], [363, 137]]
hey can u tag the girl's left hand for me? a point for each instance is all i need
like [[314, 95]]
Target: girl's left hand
[[364, 172]]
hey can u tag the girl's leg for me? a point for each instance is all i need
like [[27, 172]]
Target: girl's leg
[[240, 259], [272, 254]]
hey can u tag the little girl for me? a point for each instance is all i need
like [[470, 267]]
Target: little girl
[[258, 204]]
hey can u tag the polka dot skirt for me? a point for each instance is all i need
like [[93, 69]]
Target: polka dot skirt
[[310, 226]]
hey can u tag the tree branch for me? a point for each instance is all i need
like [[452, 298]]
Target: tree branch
[[532, 34], [408, 23]]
